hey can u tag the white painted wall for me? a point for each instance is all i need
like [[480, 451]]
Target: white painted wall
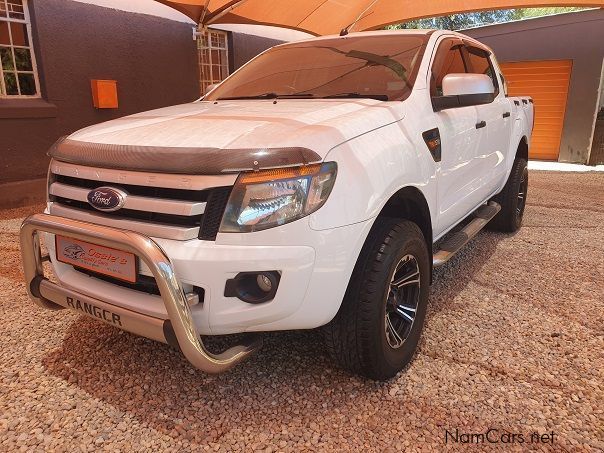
[[150, 7], [283, 34], [154, 8]]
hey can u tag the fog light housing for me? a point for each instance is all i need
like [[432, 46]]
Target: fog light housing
[[253, 287], [264, 283]]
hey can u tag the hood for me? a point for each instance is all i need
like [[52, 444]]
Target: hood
[[306, 128]]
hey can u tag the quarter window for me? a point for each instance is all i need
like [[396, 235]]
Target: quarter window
[[18, 77], [213, 53], [504, 83]]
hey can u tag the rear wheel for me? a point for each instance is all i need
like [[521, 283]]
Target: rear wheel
[[512, 199], [378, 327]]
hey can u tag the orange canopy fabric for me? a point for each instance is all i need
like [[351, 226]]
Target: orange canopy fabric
[[324, 17]]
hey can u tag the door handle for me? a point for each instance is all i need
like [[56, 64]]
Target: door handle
[[506, 114], [481, 124]]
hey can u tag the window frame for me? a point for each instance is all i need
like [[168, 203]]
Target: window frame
[[28, 26], [451, 42], [488, 55], [465, 44], [504, 84], [419, 58], [204, 82]]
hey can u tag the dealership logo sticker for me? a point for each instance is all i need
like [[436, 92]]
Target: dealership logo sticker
[[97, 258], [107, 199], [73, 252]]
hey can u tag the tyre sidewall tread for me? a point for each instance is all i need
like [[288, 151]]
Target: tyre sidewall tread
[[507, 220], [356, 336]]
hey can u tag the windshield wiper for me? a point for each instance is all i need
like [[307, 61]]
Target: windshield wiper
[[377, 97], [373, 59], [268, 96], [370, 59]]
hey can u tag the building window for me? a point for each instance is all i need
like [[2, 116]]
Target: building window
[[213, 57], [18, 77]]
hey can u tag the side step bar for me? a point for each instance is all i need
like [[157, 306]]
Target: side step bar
[[455, 243]]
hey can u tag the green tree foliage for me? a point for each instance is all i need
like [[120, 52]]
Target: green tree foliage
[[460, 21], [468, 20], [538, 12]]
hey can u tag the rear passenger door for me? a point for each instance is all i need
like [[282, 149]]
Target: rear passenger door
[[495, 123]]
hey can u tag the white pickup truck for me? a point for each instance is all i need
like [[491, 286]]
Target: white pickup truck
[[317, 186]]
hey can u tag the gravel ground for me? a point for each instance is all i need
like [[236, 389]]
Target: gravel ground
[[514, 341]]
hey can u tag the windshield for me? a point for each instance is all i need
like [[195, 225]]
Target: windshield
[[381, 67]]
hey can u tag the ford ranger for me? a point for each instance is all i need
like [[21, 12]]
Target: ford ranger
[[317, 186]]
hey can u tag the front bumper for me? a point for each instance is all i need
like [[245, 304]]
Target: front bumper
[[179, 328], [207, 265]]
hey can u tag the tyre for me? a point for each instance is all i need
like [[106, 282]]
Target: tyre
[[512, 200], [378, 326]]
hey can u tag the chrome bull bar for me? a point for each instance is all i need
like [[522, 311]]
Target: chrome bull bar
[[49, 295]]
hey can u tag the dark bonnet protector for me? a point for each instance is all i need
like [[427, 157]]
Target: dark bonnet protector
[[181, 160]]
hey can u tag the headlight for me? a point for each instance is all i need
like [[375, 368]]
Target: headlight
[[270, 198]]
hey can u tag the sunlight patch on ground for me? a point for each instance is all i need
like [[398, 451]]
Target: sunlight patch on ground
[[562, 166]]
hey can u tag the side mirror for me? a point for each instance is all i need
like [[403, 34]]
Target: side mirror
[[464, 84], [462, 90]]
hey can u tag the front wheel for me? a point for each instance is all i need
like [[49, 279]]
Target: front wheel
[[512, 199], [378, 326]]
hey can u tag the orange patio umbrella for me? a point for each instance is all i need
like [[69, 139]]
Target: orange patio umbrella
[[323, 17]]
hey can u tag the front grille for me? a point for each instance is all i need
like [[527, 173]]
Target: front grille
[[143, 283], [132, 214], [142, 191], [212, 217], [164, 212]]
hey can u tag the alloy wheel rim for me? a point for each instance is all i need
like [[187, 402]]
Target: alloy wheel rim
[[402, 301], [522, 191]]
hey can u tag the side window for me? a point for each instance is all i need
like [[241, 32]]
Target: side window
[[480, 63], [448, 60]]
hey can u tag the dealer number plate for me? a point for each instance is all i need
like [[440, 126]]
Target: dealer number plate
[[96, 258]]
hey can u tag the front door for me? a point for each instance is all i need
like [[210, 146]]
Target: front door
[[457, 180], [497, 120]]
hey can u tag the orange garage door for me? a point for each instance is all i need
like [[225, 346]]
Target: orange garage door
[[546, 82]]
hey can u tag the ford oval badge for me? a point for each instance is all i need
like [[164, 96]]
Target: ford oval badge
[[107, 199]]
